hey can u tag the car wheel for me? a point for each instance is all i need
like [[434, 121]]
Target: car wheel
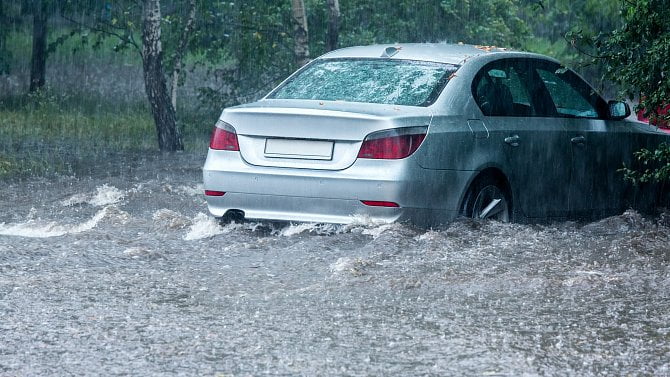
[[488, 199]]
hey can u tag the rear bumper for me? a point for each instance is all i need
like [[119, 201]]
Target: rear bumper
[[425, 197]]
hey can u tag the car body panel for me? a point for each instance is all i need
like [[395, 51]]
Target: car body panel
[[530, 161], [343, 124], [254, 189]]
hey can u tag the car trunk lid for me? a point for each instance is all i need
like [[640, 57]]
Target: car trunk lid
[[326, 137]]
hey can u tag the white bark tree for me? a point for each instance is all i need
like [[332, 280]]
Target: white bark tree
[[300, 32], [333, 32], [155, 83]]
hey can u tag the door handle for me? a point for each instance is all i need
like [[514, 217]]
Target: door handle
[[579, 140], [513, 140]]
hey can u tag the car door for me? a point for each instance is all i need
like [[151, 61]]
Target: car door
[[534, 147], [595, 142]]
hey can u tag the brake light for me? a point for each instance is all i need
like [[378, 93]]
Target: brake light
[[376, 203], [224, 137], [392, 144], [214, 193]]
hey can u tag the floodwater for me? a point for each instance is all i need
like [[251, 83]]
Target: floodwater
[[123, 273]]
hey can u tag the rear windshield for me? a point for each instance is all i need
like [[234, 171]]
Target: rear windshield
[[385, 81]]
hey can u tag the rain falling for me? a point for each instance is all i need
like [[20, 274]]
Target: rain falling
[[413, 207]]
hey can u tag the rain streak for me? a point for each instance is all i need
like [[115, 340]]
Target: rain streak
[[111, 264]]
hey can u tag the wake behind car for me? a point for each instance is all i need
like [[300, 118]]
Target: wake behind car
[[424, 133]]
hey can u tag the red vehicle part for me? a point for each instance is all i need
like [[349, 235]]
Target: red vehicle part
[[661, 124]]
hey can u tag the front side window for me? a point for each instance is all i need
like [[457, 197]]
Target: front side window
[[384, 81], [568, 94]]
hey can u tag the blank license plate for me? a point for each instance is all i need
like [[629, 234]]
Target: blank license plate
[[298, 148]]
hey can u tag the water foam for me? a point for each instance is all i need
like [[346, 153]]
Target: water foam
[[377, 231], [75, 199], [170, 219], [315, 228], [106, 195], [204, 226], [359, 224], [198, 190], [35, 229], [355, 266], [342, 264]]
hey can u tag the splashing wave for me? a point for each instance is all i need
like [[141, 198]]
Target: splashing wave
[[36, 229]]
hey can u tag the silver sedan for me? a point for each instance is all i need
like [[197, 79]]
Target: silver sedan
[[424, 133]]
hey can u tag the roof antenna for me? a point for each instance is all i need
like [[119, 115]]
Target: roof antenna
[[390, 51]]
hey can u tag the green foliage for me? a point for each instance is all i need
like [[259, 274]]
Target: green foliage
[[246, 48], [240, 49], [5, 166], [561, 25], [491, 22], [655, 165], [638, 54], [637, 57], [8, 18]]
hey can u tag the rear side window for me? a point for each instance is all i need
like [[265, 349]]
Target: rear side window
[[385, 81], [499, 91]]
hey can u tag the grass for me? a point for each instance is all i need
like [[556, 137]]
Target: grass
[[47, 133], [95, 109]]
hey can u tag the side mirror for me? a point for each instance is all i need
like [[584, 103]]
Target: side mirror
[[618, 110]]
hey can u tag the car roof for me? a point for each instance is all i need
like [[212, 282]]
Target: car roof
[[433, 52]]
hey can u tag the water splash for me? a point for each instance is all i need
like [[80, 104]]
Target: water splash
[[312, 228], [354, 266], [35, 229], [170, 219], [360, 224], [74, 200], [204, 226], [106, 195]]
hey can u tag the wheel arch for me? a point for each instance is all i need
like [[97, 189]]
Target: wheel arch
[[494, 172]]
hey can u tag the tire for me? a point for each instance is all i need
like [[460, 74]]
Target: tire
[[488, 199]]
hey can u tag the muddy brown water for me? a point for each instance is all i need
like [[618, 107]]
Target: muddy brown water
[[122, 272]]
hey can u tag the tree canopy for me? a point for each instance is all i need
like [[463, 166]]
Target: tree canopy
[[247, 47]]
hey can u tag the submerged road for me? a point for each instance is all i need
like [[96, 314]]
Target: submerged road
[[123, 273]]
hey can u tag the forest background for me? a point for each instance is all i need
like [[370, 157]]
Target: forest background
[[85, 80]]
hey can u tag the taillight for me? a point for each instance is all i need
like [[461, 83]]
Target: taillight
[[392, 144], [224, 137], [214, 193]]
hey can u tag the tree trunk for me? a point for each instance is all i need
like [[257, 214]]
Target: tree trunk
[[155, 84], [333, 33], [300, 33], [181, 50], [4, 29], [38, 60]]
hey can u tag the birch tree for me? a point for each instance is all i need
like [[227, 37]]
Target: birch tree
[[155, 83], [181, 51], [300, 32], [333, 32]]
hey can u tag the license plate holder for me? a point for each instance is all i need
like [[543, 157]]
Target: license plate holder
[[299, 149]]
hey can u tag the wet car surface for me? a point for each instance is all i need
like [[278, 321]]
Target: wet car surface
[[125, 272], [425, 133]]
